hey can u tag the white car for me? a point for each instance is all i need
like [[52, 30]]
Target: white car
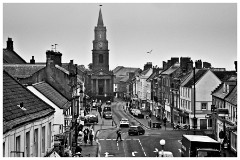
[[124, 122]]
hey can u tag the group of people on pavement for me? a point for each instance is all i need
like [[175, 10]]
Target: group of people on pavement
[[87, 135]]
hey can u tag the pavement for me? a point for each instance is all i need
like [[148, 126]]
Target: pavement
[[89, 150], [95, 149]]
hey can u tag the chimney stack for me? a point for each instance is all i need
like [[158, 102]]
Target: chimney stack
[[235, 62], [32, 61], [10, 44]]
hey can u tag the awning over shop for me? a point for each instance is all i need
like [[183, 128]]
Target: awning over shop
[[183, 114]]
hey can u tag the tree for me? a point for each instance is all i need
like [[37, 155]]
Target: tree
[[90, 66]]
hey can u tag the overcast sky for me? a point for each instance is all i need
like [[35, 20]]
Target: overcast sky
[[200, 31]]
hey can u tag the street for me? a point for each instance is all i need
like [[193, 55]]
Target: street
[[136, 146]]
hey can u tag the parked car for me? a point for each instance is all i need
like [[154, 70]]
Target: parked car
[[107, 115], [91, 118], [136, 130], [108, 102], [138, 113], [124, 122], [94, 105]]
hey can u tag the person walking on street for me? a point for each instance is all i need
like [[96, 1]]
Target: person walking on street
[[150, 123], [165, 121], [100, 110], [119, 134], [91, 134], [85, 138]]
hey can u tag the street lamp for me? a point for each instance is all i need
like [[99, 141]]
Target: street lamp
[[162, 143], [81, 100], [194, 104]]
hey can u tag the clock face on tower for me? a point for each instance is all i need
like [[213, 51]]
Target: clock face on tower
[[100, 44]]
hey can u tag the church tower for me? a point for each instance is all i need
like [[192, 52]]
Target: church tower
[[99, 83], [100, 52]]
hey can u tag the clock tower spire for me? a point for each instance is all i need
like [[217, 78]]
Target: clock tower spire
[[100, 20], [100, 52], [99, 80]]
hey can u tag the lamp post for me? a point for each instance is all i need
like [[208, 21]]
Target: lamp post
[[194, 104], [162, 143]]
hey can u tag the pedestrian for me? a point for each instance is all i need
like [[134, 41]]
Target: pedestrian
[[150, 114], [100, 111], [119, 134], [91, 134], [150, 123], [165, 121], [85, 138]]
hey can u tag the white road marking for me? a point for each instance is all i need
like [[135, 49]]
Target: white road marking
[[117, 145], [133, 153], [142, 147], [101, 139], [128, 139], [114, 139], [108, 139]]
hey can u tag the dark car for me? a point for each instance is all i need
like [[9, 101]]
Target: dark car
[[91, 118], [136, 130], [108, 102], [107, 111], [107, 115]]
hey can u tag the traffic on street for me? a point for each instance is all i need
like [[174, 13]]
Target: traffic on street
[[143, 142]]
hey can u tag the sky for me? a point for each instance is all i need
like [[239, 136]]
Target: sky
[[202, 31]]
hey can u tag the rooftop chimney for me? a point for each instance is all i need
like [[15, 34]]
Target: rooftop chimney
[[32, 61], [10, 44]]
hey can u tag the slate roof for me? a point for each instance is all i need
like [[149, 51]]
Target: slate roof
[[13, 94], [22, 70], [52, 94], [151, 76], [224, 75], [232, 97], [117, 80], [124, 79], [172, 69], [12, 57], [122, 71], [145, 71], [117, 69], [198, 75], [81, 68], [218, 92]]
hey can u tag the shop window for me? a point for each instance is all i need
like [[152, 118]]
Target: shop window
[[204, 106]]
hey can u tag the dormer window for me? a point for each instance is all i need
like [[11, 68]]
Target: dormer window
[[224, 88]]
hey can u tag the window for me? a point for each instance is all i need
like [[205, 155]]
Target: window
[[28, 144], [100, 58], [35, 142], [3, 149], [49, 135], [18, 146], [209, 122], [43, 139], [204, 106]]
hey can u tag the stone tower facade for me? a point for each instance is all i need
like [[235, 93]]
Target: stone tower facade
[[100, 52], [99, 82]]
